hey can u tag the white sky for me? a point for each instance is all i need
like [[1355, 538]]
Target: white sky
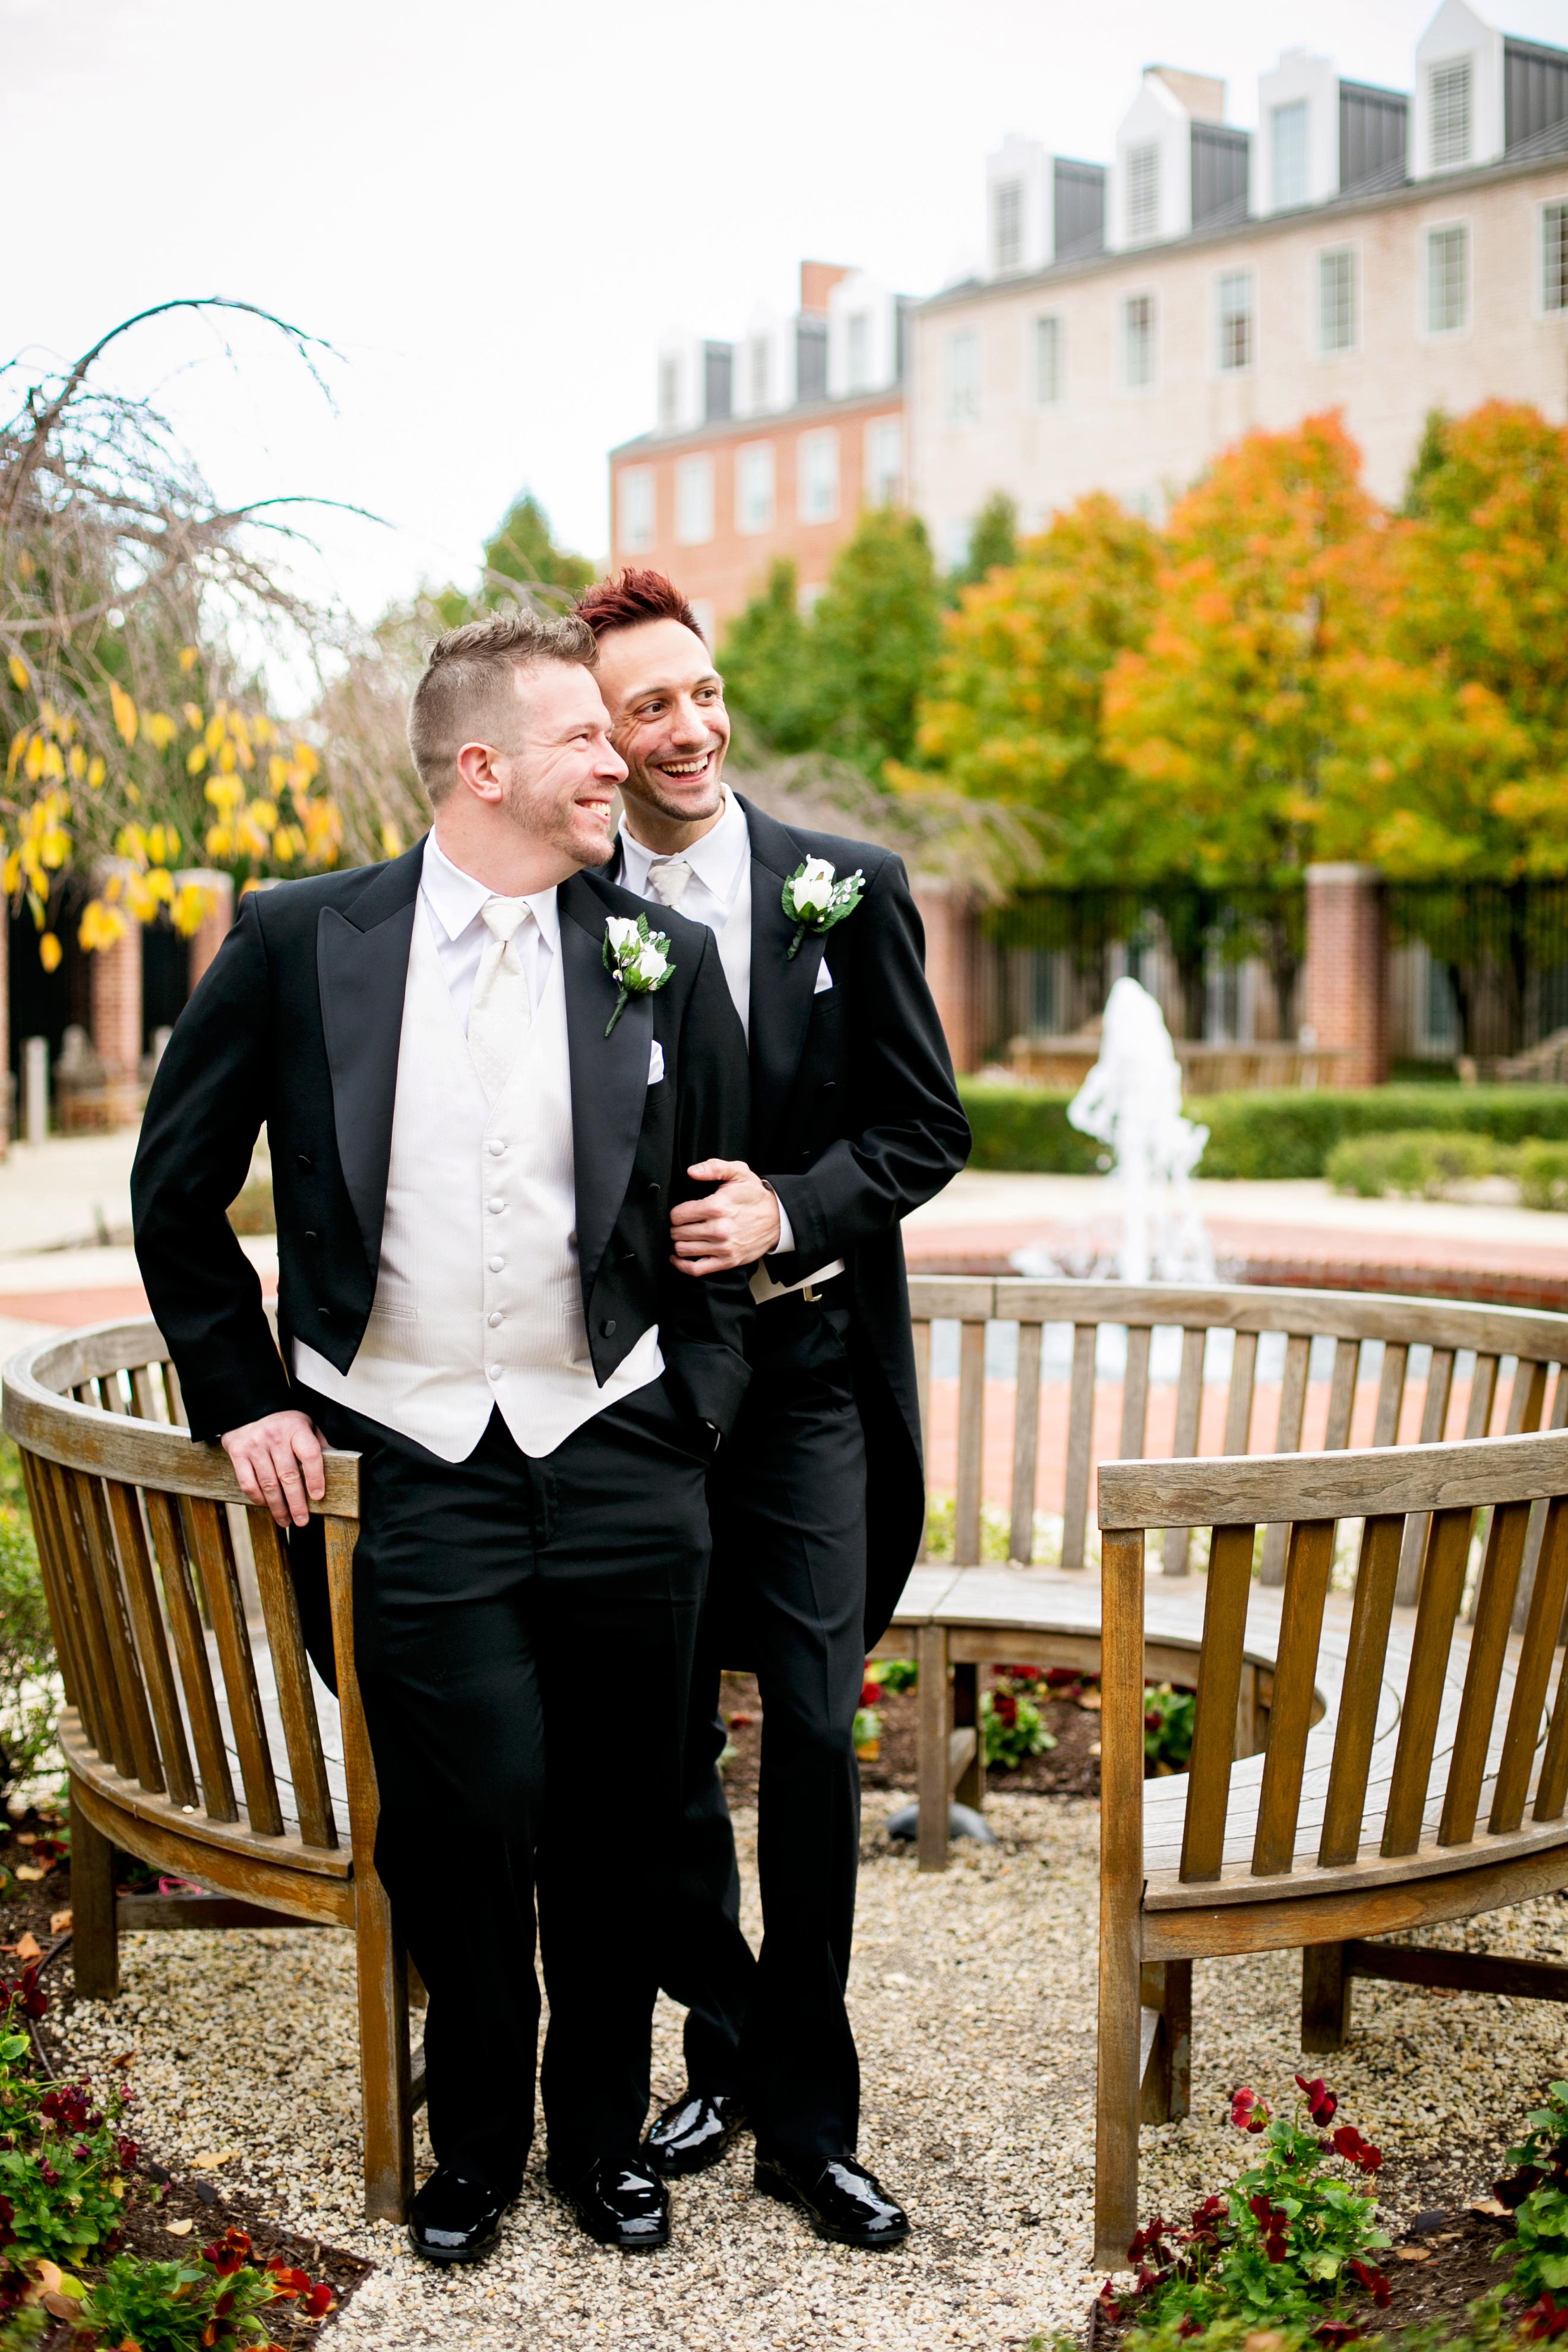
[[493, 209]]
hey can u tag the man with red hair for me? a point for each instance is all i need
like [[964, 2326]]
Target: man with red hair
[[818, 1501]]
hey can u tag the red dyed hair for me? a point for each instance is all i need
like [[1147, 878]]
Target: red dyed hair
[[637, 597]]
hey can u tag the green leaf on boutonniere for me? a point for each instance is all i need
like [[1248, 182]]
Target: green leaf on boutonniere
[[638, 960], [814, 901]]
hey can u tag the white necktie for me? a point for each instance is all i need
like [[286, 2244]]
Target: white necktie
[[669, 878], [499, 1015]]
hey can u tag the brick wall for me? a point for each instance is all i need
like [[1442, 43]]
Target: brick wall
[[1345, 983], [952, 963], [115, 975], [218, 922]]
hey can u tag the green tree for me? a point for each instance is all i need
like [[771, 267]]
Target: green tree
[[522, 550], [875, 637], [766, 657], [993, 543]]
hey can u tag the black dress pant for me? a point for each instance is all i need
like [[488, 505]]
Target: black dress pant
[[525, 1631], [787, 1498]]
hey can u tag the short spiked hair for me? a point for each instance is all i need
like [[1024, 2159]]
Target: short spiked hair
[[635, 597], [468, 683]]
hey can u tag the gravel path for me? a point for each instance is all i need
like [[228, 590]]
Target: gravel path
[[974, 2002]]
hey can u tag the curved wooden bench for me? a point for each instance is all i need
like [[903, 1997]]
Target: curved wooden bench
[[195, 1732]]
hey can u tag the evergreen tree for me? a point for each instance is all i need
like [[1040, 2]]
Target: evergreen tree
[[766, 657], [522, 550], [993, 544], [874, 639]]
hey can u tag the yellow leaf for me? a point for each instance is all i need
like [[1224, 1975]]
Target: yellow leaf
[[306, 760], [18, 745], [392, 839], [54, 764], [161, 730], [49, 949], [77, 761], [127, 718], [95, 772], [227, 758], [34, 762], [195, 758], [187, 659], [191, 712], [18, 669]]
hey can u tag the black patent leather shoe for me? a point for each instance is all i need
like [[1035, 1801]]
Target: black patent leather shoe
[[456, 2220], [845, 2202], [693, 2133], [621, 2205]]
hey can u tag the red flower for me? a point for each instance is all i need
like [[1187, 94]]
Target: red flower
[[229, 2255], [1545, 2319], [1006, 1707], [1349, 2143], [1189, 2326], [1334, 2333], [317, 2301], [1247, 2111], [1366, 2275], [1321, 2101], [870, 1693], [32, 2002]]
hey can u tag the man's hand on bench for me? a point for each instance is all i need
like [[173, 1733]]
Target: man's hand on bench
[[278, 1461]]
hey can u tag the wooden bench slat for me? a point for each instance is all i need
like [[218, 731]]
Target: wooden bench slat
[[1433, 1420], [1371, 1616], [1026, 1443], [1483, 1674], [1556, 1419], [212, 1547], [1545, 1613], [1238, 1402], [1390, 1394], [1483, 1393], [1177, 1542], [970, 1443], [1333, 1485], [291, 1674], [922, 1390], [117, 1623], [1135, 1391], [144, 1398], [63, 1621], [1341, 1394], [111, 1737], [169, 1544], [1442, 1581], [1229, 1585], [1287, 1440], [1307, 1569], [1080, 1440], [142, 1593]]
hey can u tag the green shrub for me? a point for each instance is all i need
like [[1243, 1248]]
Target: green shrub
[[1538, 2191], [30, 1692], [1170, 1719], [216, 2300], [1543, 1175], [1012, 1729], [1025, 1128], [1414, 1160]]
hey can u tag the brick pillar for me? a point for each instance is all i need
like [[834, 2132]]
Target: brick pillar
[[116, 978], [8, 1118], [947, 911], [1346, 978], [216, 923]]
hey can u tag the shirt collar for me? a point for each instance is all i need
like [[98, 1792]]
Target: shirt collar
[[716, 858], [455, 898]]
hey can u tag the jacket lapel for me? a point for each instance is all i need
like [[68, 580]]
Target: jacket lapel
[[782, 989], [361, 973], [609, 1075]]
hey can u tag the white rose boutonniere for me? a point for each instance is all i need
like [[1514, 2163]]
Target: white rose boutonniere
[[638, 960], [814, 901]]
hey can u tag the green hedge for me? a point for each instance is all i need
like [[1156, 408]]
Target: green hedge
[[1025, 1128]]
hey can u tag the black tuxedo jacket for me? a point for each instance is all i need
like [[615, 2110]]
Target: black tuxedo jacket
[[855, 1121], [298, 1023]]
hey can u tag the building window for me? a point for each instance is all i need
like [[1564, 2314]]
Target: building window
[[754, 486], [818, 485], [1336, 301], [1050, 361], [1289, 126], [636, 509], [1007, 224], [1142, 191], [1138, 340], [1448, 277], [759, 374], [858, 352], [1448, 89], [1235, 320], [694, 501], [884, 462], [668, 393], [1554, 256], [963, 377]]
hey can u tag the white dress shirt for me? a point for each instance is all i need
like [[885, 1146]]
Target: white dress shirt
[[452, 900]]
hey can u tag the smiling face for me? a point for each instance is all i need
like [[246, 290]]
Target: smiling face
[[559, 770], [667, 720]]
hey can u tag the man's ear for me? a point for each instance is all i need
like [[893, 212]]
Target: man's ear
[[477, 770]]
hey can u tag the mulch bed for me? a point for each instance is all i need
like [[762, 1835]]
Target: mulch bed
[[28, 1908]]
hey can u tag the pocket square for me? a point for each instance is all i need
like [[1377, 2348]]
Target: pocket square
[[824, 978], [656, 1064]]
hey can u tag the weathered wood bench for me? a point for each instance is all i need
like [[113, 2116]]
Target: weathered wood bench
[[195, 1735], [1108, 1344], [1432, 1789]]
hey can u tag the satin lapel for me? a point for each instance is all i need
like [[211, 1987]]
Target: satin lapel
[[609, 1075], [782, 987], [361, 973]]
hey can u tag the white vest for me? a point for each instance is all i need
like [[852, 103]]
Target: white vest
[[479, 1300]]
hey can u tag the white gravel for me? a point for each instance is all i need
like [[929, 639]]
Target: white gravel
[[973, 2003]]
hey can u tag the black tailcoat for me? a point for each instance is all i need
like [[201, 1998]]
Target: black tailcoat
[[855, 1121], [298, 1024]]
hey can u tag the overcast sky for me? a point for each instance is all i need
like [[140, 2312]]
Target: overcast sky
[[494, 208]]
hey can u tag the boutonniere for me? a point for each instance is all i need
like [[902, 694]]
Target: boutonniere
[[814, 901], [638, 960]]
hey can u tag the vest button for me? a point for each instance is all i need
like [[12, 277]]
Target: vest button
[[495, 1371], [495, 1319], [496, 1264], [607, 1330], [496, 1150], [495, 1205]]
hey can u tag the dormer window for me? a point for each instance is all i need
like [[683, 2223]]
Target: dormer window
[[1142, 191], [668, 395], [1449, 89], [1007, 224], [757, 374], [1287, 125], [858, 352]]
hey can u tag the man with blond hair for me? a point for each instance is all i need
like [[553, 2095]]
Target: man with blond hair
[[484, 1082]]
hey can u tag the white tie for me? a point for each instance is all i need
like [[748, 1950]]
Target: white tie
[[499, 1015], [669, 878]]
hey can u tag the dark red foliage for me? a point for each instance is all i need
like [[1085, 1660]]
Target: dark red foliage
[[231, 2252], [1370, 2278], [1545, 2319], [1321, 2103], [1348, 2142]]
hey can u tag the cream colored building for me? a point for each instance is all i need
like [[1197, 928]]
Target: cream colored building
[[1363, 251]]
